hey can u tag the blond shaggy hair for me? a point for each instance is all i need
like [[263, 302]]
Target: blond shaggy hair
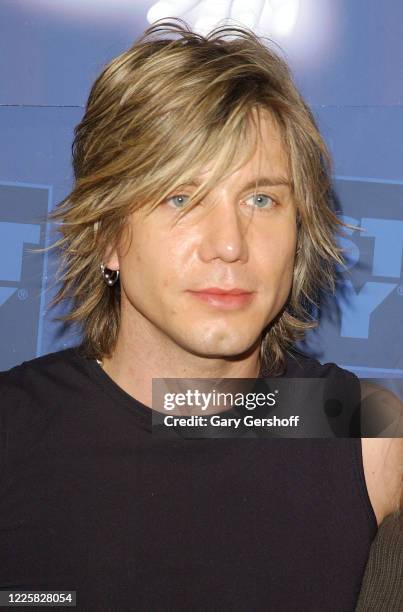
[[156, 115]]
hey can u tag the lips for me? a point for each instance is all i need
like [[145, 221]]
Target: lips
[[227, 299], [219, 291]]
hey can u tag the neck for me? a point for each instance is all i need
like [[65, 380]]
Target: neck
[[137, 359]]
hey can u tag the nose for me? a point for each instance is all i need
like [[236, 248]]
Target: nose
[[223, 234]]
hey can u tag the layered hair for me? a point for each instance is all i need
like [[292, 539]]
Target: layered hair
[[157, 114]]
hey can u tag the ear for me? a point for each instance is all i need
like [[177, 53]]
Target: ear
[[111, 260], [114, 253]]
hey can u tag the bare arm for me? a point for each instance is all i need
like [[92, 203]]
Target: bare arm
[[383, 456]]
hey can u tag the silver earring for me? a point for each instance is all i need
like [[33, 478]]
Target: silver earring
[[110, 276]]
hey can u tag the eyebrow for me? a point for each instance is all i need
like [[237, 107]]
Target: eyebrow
[[260, 181], [267, 181]]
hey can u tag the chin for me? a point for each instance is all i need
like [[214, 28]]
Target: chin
[[224, 346]]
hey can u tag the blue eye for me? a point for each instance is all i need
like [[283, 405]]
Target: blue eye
[[180, 199], [262, 200]]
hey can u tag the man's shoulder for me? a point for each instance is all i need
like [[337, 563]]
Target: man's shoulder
[[300, 364], [42, 361], [32, 394], [36, 380], [382, 456], [45, 365]]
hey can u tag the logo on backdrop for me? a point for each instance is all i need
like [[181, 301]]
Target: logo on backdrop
[[13, 237], [366, 330], [22, 210]]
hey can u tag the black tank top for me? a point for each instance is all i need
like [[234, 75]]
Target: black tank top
[[91, 501]]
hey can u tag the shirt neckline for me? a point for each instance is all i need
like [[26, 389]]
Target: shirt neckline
[[142, 412]]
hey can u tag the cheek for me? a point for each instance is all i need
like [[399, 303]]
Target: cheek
[[285, 243], [277, 254], [151, 265]]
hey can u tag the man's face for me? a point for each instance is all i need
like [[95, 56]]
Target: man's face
[[238, 237]]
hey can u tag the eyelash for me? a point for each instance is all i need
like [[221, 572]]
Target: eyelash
[[274, 202]]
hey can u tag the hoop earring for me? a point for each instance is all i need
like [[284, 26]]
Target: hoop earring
[[110, 276]]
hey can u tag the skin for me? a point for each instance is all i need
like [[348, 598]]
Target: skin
[[226, 241], [383, 456], [383, 461]]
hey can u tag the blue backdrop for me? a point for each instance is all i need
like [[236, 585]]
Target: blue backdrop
[[347, 59]]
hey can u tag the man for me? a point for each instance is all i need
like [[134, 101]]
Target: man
[[202, 196]]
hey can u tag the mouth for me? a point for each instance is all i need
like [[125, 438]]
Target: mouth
[[227, 299]]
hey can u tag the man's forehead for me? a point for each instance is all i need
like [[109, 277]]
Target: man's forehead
[[261, 170], [268, 162], [266, 180]]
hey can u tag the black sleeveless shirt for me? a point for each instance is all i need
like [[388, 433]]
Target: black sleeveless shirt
[[91, 501]]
